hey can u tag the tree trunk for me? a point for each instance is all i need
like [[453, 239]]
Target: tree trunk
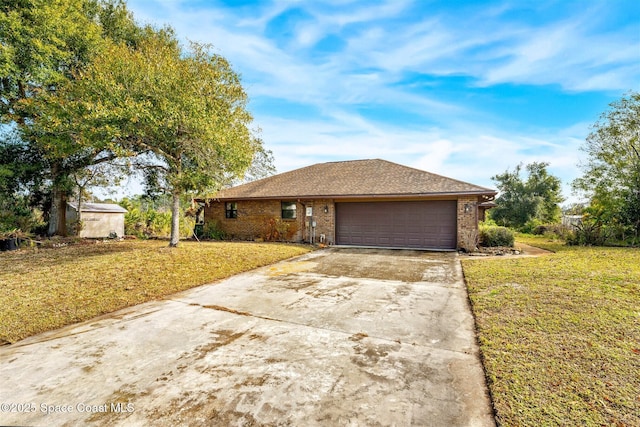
[[53, 214], [175, 220], [58, 215], [62, 214]]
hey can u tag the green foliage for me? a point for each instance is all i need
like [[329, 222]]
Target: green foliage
[[86, 85], [589, 233], [42, 43], [553, 231], [600, 226], [530, 226], [611, 177], [147, 218], [520, 202], [16, 214], [46, 45], [212, 231], [182, 114], [490, 236], [20, 186]]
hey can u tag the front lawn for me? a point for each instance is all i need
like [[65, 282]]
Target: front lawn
[[46, 289], [560, 335]]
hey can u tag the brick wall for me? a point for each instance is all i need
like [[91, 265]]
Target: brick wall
[[467, 219], [325, 221], [253, 219], [254, 215]]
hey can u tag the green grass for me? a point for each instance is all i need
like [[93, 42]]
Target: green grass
[[560, 334], [49, 288]]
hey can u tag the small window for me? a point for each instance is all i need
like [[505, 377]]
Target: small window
[[231, 210], [288, 210]]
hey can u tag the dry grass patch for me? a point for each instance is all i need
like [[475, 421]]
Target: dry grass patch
[[46, 289], [560, 335]]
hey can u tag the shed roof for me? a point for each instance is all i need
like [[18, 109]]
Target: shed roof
[[99, 207], [356, 178]]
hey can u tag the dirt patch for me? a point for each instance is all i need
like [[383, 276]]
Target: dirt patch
[[296, 282], [197, 411], [258, 337], [358, 337], [338, 292], [367, 354], [532, 250], [253, 382], [521, 250], [223, 337], [227, 309], [119, 405], [290, 267]]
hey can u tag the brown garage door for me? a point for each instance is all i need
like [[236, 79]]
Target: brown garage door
[[428, 225]]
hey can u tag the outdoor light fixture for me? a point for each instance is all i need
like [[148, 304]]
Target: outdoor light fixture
[[467, 208], [326, 209]]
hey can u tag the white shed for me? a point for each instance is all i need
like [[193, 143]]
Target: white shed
[[98, 219]]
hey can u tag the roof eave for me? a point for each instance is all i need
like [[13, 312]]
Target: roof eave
[[489, 193]]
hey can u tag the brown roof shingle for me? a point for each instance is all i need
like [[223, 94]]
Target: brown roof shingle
[[356, 178]]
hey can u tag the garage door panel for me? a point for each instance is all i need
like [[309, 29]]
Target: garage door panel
[[423, 224]]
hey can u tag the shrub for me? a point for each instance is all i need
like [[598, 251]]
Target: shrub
[[211, 230], [589, 233], [540, 230], [552, 231], [469, 240], [16, 213], [530, 226], [496, 236], [277, 230]]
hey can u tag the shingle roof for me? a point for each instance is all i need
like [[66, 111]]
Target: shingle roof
[[99, 207], [357, 178]]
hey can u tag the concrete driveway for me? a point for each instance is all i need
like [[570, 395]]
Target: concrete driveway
[[339, 337]]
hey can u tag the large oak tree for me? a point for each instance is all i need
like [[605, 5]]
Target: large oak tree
[[179, 114], [44, 45]]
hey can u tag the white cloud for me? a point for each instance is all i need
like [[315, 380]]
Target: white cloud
[[385, 42], [566, 53], [468, 155]]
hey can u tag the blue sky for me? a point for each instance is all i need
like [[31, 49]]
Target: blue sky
[[466, 89]]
